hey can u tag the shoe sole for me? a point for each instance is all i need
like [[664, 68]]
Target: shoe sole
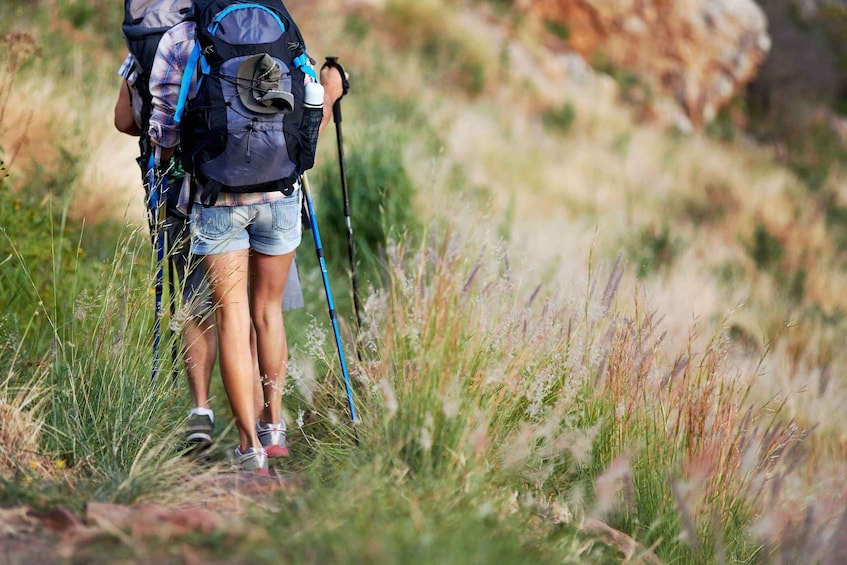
[[257, 471], [198, 438]]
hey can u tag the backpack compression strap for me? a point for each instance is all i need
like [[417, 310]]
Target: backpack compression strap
[[302, 62]]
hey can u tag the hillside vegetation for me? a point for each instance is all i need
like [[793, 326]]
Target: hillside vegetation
[[588, 338]]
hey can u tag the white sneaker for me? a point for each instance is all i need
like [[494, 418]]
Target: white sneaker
[[272, 437], [255, 459]]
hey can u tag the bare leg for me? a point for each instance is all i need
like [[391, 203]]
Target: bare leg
[[200, 351], [258, 393], [227, 274], [268, 275]]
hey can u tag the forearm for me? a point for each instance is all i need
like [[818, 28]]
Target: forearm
[[124, 118], [165, 85]]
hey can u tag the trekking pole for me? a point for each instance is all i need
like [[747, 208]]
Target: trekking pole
[[332, 62], [313, 223], [172, 303], [154, 210]]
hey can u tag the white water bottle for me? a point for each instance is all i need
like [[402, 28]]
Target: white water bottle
[[313, 105]]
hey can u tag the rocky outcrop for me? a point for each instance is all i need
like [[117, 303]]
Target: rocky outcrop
[[699, 52]]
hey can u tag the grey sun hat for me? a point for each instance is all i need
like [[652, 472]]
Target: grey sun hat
[[259, 85]]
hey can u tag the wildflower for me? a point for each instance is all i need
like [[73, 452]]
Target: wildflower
[[315, 339], [332, 415], [485, 510], [388, 396], [426, 432]]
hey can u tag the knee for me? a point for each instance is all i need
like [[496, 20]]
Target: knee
[[267, 317]]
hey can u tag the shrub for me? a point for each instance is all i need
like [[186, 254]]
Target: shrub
[[560, 119], [382, 201], [652, 251], [557, 29], [452, 54], [764, 248]]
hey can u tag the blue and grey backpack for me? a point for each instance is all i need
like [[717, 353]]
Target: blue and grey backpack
[[246, 129]]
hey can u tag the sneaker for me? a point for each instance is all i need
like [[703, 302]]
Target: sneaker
[[254, 460], [198, 430], [272, 437]]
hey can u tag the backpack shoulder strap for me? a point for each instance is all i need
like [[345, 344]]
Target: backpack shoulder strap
[[304, 63], [194, 60]]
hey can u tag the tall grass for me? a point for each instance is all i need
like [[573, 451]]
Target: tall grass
[[482, 400], [77, 375], [498, 423]]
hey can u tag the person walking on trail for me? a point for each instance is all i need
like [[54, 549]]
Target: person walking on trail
[[241, 236], [199, 349]]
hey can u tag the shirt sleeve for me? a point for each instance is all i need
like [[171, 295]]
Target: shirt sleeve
[[128, 70], [165, 81]]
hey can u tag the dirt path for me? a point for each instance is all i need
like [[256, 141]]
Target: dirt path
[[143, 533]]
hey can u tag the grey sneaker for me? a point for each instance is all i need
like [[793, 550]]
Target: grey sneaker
[[198, 431], [272, 437], [255, 460]]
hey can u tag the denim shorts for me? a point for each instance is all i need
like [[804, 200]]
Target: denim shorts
[[196, 297], [271, 228]]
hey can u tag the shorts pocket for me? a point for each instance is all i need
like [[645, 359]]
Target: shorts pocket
[[286, 212], [215, 221]]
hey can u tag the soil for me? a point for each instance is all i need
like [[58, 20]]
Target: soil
[[142, 533]]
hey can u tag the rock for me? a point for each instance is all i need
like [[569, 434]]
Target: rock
[[698, 52], [57, 519]]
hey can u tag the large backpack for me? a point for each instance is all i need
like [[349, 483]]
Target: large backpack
[[145, 21], [246, 129]]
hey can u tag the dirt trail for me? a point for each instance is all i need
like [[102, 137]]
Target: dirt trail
[[142, 533]]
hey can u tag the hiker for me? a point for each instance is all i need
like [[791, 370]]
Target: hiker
[[240, 234], [199, 341], [199, 349]]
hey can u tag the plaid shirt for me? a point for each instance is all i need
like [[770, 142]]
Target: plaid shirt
[[175, 48], [128, 70]]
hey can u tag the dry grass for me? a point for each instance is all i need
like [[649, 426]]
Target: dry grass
[[20, 434], [573, 374], [606, 178], [109, 183], [51, 124]]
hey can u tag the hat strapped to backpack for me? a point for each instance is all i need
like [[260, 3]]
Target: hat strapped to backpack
[[259, 85]]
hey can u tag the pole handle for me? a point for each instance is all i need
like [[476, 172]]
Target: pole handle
[[332, 62]]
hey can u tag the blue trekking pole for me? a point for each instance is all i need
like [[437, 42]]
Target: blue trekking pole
[[313, 223], [154, 201]]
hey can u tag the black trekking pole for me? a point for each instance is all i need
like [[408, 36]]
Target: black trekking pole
[[313, 223], [351, 247]]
